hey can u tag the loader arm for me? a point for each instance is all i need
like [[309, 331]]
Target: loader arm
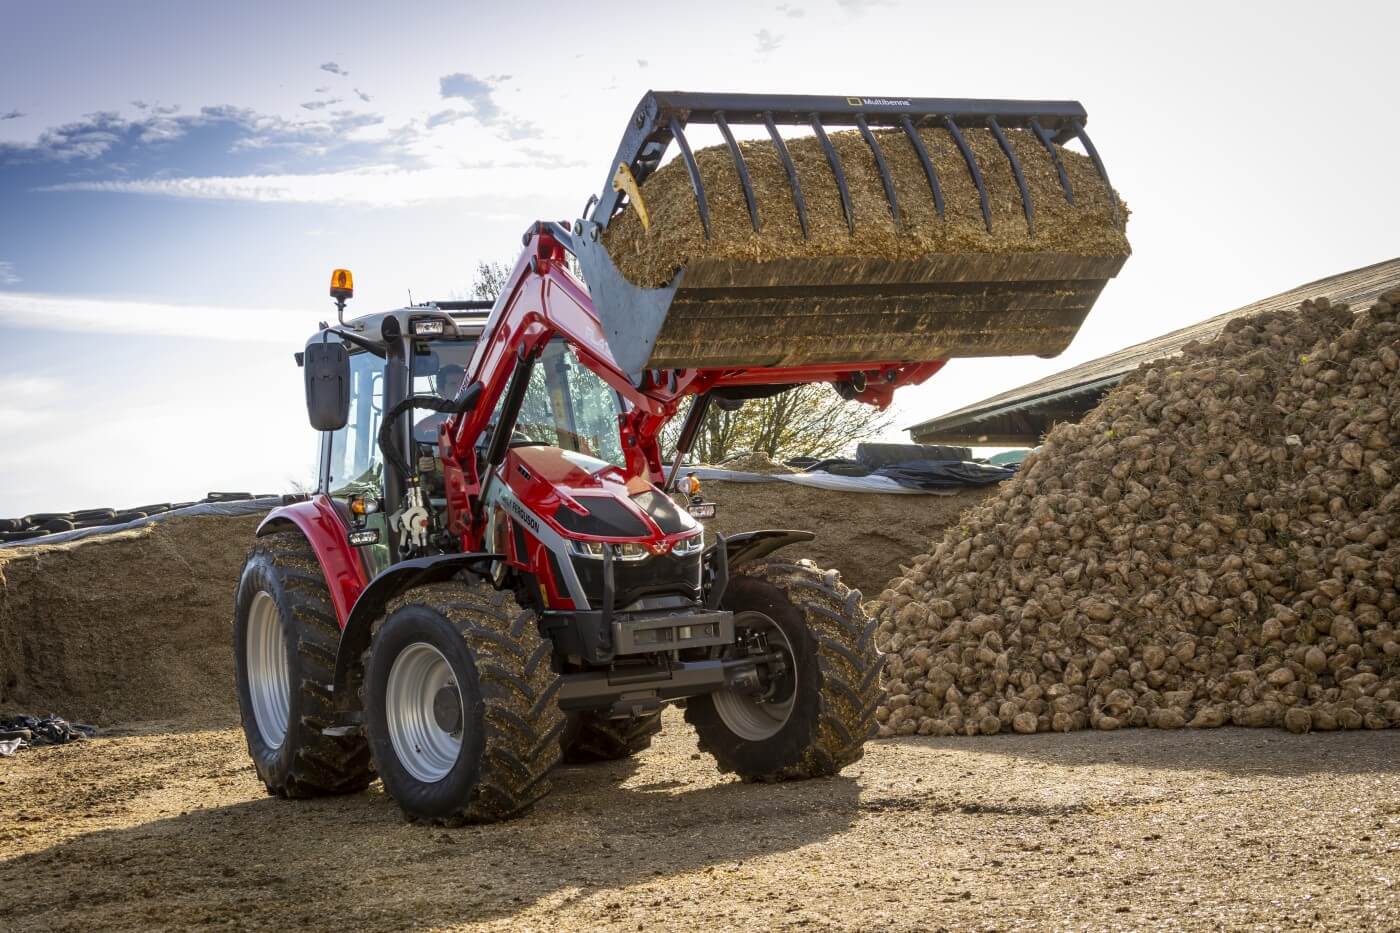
[[542, 300]]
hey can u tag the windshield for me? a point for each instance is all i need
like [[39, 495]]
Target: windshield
[[438, 367], [568, 406]]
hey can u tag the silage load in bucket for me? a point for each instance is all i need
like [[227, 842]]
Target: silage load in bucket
[[933, 229]]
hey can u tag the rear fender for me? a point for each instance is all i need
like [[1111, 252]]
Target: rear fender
[[323, 527], [403, 576]]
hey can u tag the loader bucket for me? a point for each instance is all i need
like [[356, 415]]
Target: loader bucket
[[936, 229]]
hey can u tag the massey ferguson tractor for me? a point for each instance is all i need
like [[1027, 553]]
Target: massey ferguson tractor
[[501, 568]]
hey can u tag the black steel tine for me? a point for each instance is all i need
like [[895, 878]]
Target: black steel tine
[[742, 169], [1098, 165], [701, 203], [791, 169], [971, 161], [1049, 144], [917, 142], [882, 168], [836, 170], [1005, 145]]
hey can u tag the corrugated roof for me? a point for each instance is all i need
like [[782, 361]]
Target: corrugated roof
[[1357, 287]]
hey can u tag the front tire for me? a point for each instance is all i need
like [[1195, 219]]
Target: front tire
[[284, 640], [460, 705], [814, 717]]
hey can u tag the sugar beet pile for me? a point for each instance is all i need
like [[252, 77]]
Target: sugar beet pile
[[1218, 542]]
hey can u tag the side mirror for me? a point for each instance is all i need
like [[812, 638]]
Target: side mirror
[[327, 367]]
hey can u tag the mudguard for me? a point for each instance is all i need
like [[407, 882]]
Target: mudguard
[[323, 527], [354, 635], [749, 546]]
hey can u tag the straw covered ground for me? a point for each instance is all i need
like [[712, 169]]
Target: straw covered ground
[[1088, 227]]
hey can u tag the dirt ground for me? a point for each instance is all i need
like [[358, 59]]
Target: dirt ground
[[864, 535], [1239, 829]]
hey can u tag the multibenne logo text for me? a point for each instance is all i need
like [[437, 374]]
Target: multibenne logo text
[[875, 102]]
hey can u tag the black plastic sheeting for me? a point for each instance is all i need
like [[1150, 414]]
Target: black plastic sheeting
[[49, 523], [239, 506], [945, 474], [17, 732]]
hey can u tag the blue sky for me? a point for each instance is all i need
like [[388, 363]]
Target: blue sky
[[177, 180]]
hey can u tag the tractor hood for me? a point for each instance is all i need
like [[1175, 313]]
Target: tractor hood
[[585, 498]]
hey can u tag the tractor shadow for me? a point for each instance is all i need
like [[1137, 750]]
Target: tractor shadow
[[354, 863]]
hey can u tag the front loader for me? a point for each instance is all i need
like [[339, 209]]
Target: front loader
[[499, 570]]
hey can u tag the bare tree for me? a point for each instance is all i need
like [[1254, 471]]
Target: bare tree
[[809, 420], [490, 280]]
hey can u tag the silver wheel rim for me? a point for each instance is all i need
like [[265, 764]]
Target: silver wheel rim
[[269, 680], [424, 748], [744, 715]]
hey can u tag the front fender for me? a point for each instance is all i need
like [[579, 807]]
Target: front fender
[[403, 576], [749, 546], [323, 527], [729, 553]]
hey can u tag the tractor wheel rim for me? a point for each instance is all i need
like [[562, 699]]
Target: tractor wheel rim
[[744, 715], [413, 710], [269, 677]]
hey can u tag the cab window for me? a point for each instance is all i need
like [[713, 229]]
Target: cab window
[[568, 406], [354, 454]]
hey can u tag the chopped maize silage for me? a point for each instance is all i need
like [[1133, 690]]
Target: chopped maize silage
[[1088, 227]]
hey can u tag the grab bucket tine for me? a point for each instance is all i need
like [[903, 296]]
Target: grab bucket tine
[[1005, 145], [1098, 165], [885, 178], [917, 142], [742, 168], [701, 203], [1049, 145], [798, 201], [835, 161], [976, 172]]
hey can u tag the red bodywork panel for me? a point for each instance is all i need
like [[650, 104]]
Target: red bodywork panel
[[318, 520]]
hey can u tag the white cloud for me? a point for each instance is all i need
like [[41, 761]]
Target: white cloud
[[335, 69], [7, 274], [54, 313], [767, 41], [382, 186]]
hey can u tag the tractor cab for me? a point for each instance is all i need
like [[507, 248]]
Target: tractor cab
[[420, 350]]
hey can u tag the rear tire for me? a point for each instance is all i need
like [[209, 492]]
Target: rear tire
[[460, 704], [284, 643], [817, 720], [589, 737]]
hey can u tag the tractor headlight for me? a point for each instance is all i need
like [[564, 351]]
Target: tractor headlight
[[689, 546], [630, 551], [594, 549]]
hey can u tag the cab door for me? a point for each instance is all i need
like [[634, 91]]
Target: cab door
[[351, 463]]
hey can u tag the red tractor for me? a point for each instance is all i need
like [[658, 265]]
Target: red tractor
[[498, 570]]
